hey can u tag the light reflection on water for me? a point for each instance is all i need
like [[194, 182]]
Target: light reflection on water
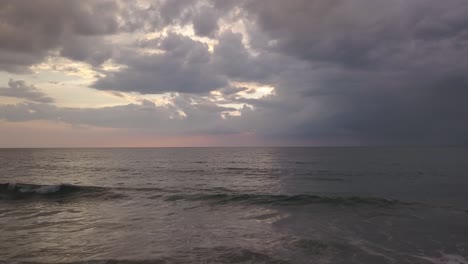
[[242, 205]]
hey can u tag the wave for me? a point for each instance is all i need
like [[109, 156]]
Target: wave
[[271, 199], [25, 190], [326, 179], [220, 254], [213, 196]]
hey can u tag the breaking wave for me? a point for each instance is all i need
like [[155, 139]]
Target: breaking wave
[[214, 196], [25, 190], [225, 198]]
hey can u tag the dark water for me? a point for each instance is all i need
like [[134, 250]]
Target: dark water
[[234, 205]]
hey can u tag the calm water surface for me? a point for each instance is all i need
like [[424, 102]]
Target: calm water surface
[[234, 205]]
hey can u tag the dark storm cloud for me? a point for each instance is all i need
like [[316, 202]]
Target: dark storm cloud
[[376, 110], [183, 66], [176, 11], [19, 89], [187, 66], [231, 58], [205, 22], [203, 16], [358, 33], [379, 72], [360, 71], [31, 29], [86, 48]]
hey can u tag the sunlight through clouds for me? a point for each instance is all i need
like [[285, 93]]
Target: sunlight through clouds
[[319, 71]]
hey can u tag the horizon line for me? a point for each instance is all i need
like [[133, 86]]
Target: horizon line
[[274, 146]]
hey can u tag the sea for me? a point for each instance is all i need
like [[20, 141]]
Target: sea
[[366, 205]]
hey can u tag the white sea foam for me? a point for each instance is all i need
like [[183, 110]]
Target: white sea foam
[[446, 259], [47, 189], [29, 188]]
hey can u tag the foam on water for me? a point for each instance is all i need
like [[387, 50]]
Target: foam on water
[[48, 189], [43, 189], [245, 205], [26, 191], [446, 259], [215, 196], [36, 188]]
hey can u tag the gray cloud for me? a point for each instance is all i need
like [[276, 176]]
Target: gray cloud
[[231, 58], [32, 30], [176, 11], [184, 66], [233, 90], [187, 66], [205, 22], [360, 33], [200, 116], [376, 72], [19, 89], [359, 71], [92, 50]]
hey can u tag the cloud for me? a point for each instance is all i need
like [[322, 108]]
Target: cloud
[[375, 72], [182, 66], [359, 71], [205, 22], [233, 90], [231, 58], [185, 65], [360, 33], [185, 116], [90, 49], [33, 30], [19, 89]]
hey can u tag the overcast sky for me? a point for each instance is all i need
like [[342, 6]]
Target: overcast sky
[[233, 73]]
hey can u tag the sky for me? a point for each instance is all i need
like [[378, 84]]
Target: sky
[[169, 73]]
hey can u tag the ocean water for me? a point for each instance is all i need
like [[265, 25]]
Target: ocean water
[[234, 205]]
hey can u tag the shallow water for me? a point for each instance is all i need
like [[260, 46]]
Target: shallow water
[[234, 205]]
